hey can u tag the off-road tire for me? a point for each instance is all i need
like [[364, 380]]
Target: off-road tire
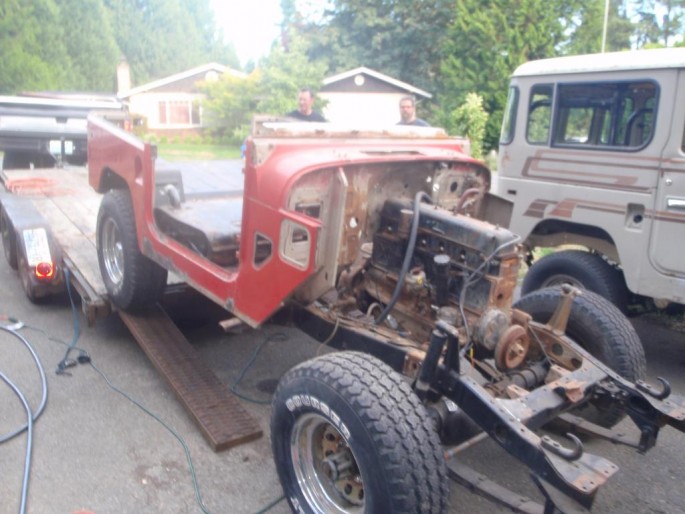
[[580, 269], [376, 415], [9, 239], [602, 330], [132, 280]]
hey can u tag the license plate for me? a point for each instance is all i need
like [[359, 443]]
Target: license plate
[[37, 247]]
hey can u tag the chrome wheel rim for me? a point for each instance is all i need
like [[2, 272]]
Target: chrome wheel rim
[[112, 252], [325, 467]]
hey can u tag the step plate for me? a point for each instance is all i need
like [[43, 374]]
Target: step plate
[[224, 422]]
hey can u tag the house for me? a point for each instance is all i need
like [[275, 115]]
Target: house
[[171, 105], [367, 97]]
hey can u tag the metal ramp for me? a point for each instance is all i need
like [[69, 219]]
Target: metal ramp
[[223, 420]]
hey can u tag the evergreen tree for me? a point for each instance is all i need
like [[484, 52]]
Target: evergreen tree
[[587, 37], [401, 38], [34, 56], [487, 40], [91, 46]]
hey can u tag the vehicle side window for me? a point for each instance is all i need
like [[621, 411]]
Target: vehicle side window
[[616, 114], [539, 113], [509, 121]]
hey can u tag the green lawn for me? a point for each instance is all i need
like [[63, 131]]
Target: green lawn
[[194, 152]]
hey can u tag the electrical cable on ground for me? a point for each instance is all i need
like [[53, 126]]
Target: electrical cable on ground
[[43, 379], [84, 358], [29, 442], [66, 362], [278, 336]]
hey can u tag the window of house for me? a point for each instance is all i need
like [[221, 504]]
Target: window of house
[[179, 112], [610, 114], [539, 113]]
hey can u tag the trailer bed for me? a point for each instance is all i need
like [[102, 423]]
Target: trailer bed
[[69, 205]]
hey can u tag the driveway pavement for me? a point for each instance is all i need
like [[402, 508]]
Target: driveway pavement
[[95, 450]]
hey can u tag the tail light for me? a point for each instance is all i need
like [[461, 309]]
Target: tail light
[[44, 270]]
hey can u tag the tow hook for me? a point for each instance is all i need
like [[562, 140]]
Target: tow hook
[[569, 454]]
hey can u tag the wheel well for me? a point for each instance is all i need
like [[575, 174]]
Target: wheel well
[[553, 232], [111, 180]]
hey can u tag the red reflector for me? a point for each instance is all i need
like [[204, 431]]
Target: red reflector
[[44, 270]]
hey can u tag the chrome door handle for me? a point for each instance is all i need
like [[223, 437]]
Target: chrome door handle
[[675, 203]]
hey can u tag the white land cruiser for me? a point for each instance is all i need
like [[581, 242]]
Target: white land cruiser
[[592, 154]]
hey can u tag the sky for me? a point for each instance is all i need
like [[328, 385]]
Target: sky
[[250, 25]]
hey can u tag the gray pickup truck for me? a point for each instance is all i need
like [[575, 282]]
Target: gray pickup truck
[[45, 130]]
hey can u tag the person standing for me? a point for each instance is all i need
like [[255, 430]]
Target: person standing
[[305, 110], [408, 113]]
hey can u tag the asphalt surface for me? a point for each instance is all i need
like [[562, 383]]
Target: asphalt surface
[[94, 450]]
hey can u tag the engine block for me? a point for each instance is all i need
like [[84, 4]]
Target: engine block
[[457, 261]]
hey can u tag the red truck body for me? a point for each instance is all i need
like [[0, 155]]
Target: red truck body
[[253, 292]]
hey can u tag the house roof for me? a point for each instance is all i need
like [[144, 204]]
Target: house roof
[[363, 70], [179, 77]]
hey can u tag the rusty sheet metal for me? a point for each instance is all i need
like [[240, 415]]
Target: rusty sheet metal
[[221, 417]]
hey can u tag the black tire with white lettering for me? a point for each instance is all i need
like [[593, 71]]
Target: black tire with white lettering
[[349, 435], [602, 330], [132, 280]]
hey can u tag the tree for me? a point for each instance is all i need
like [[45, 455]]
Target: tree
[[469, 120], [487, 40], [401, 38], [91, 45], [283, 73], [162, 37], [34, 56], [229, 106], [270, 89], [658, 21], [587, 36]]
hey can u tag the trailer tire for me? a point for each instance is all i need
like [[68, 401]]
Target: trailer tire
[[602, 330], [132, 280], [9, 239], [350, 416]]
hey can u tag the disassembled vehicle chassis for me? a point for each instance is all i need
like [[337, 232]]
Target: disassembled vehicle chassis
[[379, 240]]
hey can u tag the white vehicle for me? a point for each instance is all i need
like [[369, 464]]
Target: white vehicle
[[592, 154]]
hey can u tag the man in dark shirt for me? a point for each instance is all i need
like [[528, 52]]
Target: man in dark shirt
[[408, 113], [305, 111]]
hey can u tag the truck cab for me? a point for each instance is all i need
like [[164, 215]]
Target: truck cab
[[592, 155]]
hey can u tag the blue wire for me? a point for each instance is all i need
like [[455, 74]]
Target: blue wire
[[43, 380], [29, 442]]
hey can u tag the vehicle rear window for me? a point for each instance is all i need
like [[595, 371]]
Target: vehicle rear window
[[608, 114]]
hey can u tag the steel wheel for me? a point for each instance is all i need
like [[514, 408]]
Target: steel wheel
[[132, 280], [325, 466], [112, 251]]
